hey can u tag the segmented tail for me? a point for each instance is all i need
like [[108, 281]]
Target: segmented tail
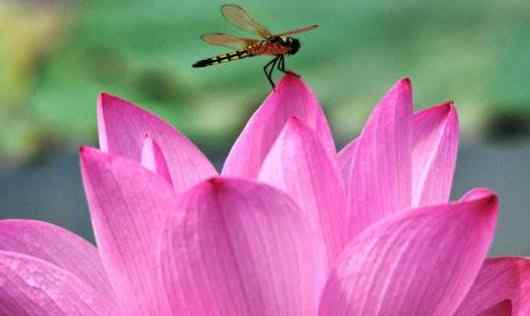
[[236, 55]]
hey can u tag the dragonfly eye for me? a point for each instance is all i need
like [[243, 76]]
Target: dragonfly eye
[[294, 45]]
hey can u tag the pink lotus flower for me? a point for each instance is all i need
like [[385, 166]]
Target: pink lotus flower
[[289, 228]]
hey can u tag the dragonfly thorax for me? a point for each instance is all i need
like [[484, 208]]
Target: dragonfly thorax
[[290, 43]]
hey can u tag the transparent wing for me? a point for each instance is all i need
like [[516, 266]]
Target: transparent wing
[[300, 30], [240, 18], [227, 40]]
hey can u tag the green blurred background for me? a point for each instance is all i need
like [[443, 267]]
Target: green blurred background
[[56, 56]]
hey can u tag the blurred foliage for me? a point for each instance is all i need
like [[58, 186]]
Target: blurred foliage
[[55, 59]]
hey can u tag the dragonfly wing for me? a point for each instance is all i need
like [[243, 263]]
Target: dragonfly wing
[[240, 18], [300, 30], [227, 40]]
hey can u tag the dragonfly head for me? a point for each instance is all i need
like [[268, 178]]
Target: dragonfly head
[[294, 45]]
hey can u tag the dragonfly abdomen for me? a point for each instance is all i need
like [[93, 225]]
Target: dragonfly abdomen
[[236, 55]]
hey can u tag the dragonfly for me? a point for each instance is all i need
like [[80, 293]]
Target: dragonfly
[[277, 45]]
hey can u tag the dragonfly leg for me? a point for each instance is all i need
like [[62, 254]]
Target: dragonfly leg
[[281, 67], [269, 68], [265, 69], [273, 66], [281, 64]]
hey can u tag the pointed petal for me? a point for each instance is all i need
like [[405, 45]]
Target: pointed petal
[[154, 160], [420, 262], [128, 206], [241, 248], [500, 279], [299, 164], [380, 181], [33, 287], [122, 128], [435, 145], [56, 246], [291, 98], [434, 151]]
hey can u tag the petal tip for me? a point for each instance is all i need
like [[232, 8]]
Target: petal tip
[[404, 84], [445, 111], [446, 108], [402, 88], [480, 193], [294, 123], [104, 95], [86, 151], [290, 78], [406, 81], [491, 203], [292, 75], [90, 156], [295, 127], [215, 183], [105, 98], [452, 108], [215, 186], [487, 200]]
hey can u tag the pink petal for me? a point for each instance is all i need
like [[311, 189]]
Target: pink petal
[[435, 145], [33, 287], [420, 262], [380, 181], [291, 98], [122, 128], [154, 160], [241, 248], [129, 206], [345, 161], [299, 164], [434, 150], [500, 279], [57, 246]]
